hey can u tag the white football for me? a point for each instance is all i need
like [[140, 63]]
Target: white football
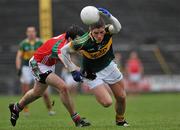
[[89, 15]]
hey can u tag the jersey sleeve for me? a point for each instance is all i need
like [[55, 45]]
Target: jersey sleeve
[[78, 43], [21, 46]]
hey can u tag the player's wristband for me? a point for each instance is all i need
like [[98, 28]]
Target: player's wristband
[[19, 72]]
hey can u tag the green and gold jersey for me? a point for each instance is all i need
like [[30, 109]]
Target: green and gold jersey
[[96, 56], [28, 49]]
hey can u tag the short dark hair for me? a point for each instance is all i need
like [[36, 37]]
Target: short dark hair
[[73, 31], [30, 27], [98, 24]]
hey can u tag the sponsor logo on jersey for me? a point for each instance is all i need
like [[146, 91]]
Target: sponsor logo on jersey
[[100, 51]]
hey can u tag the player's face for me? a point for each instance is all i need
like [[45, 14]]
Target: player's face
[[98, 34], [31, 33]]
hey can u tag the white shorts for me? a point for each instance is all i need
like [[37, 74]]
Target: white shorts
[[41, 68], [44, 68], [109, 75], [26, 76]]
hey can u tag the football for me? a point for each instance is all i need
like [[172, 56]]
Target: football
[[89, 15]]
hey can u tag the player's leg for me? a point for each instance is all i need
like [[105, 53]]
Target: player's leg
[[48, 103], [102, 95], [120, 105], [114, 80], [25, 88], [55, 81], [33, 94], [25, 79], [98, 88]]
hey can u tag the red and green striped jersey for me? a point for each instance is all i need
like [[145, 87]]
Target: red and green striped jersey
[[27, 48], [48, 53]]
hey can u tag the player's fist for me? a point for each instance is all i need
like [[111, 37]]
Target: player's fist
[[104, 11], [77, 76], [19, 72], [89, 74]]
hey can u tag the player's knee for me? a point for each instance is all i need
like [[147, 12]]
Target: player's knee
[[123, 95], [107, 103], [121, 98], [37, 93], [64, 90], [45, 95]]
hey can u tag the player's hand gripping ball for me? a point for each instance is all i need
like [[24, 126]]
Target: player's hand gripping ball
[[105, 12], [90, 15]]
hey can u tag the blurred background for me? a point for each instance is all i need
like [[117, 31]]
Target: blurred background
[[150, 34]]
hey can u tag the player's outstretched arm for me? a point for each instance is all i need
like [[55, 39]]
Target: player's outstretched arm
[[116, 26], [66, 58]]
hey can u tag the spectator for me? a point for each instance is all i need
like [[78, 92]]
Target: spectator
[[134, 71]]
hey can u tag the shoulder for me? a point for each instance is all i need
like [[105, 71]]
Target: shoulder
[[80, 41], [84, 38], [23, 42]]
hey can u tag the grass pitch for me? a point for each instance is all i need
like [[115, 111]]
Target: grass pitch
[[144, 112]]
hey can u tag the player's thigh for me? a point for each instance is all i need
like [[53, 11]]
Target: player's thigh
[[55, 81], [102, 95], [118, 89]]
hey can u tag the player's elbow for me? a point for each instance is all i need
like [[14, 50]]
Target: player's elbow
[[118, 28]]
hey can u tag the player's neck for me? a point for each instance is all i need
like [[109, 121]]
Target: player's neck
[[32, 40]]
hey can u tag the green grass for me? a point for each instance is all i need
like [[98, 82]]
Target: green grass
[[144, 112]]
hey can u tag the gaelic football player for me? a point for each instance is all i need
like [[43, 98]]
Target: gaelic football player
[[98, 66], [42, 65]]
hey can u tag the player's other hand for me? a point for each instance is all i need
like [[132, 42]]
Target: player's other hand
[[19, 72], [104, 12], [89, 74], [77, 76]]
